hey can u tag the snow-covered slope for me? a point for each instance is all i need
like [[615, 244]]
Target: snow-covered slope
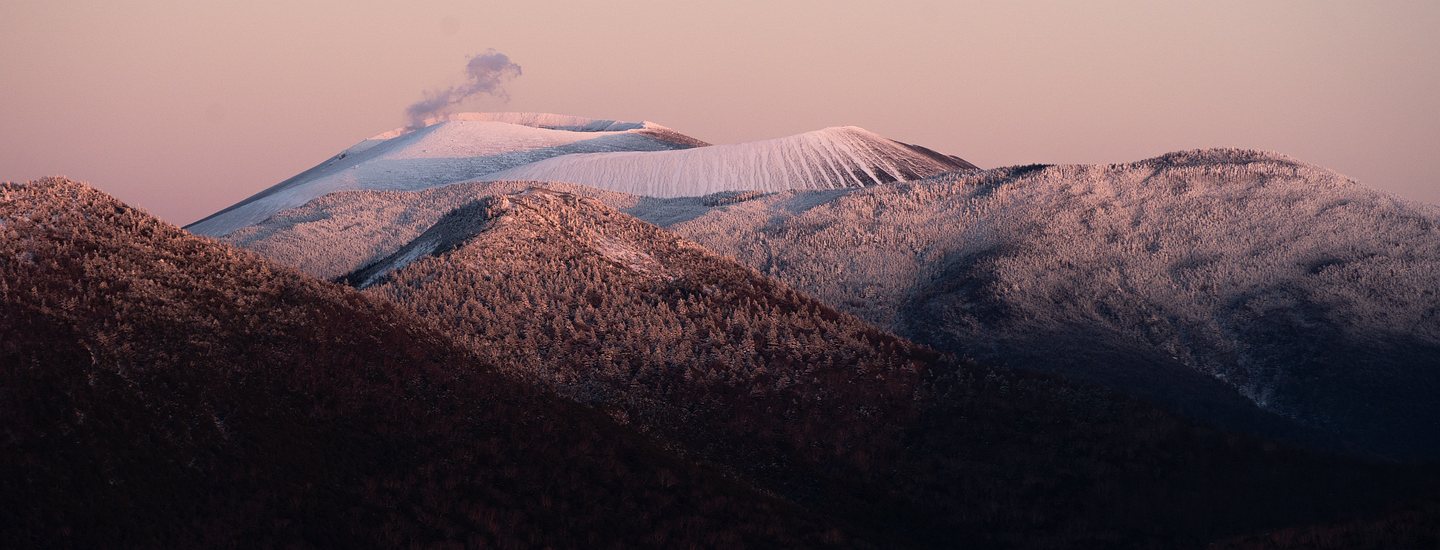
[[832, 158], [457, 148]]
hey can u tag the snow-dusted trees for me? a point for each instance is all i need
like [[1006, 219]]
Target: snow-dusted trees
[[159, 389], [621, 315], [1290, 283]]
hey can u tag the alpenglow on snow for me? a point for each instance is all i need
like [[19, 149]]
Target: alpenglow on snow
[[641, 158]]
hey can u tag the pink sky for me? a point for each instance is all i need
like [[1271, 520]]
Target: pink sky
[[183, 108]]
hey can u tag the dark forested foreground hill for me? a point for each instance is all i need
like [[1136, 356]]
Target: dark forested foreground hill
[[161, 390], [737, 370]]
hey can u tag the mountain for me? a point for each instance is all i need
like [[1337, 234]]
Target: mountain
[[736, 370], [832, 158], [1287, 285], [619, 315], [1237, 287], [508, 146], [162, 390], [457, 148]]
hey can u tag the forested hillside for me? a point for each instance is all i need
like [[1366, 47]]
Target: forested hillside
[[162, 390], [1194, 279], [737, 370], [1241, 288]]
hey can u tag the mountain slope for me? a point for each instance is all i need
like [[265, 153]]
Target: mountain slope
[[832, 158], [529, 146], [449, 150], [616, 313], [1186, 279], [339, 233], [735, 369], [1305, 293], [161, 390]]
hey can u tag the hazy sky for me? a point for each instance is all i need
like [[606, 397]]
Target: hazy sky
[[183, 108]]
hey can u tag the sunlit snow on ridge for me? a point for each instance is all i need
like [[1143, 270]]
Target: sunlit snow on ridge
[[456, 148]]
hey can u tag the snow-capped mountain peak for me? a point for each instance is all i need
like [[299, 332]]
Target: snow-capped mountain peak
[[830, 158], [456, 148], [641, 158]]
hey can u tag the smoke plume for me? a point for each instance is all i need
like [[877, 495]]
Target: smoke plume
[[485, 74]]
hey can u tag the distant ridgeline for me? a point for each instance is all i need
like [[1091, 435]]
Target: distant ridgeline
[[633, 157]]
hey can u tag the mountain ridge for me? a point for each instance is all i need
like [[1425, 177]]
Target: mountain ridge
[[739, 370], [449, 150], [900, 242], [829, 158], [476, 146], [164, 390], [1228, 262]]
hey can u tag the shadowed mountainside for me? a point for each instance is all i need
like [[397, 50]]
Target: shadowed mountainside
[[1411, 527], [162, 390], [737, 370]]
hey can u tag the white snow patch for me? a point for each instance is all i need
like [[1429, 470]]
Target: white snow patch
[[628, 256], [415, 251]]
